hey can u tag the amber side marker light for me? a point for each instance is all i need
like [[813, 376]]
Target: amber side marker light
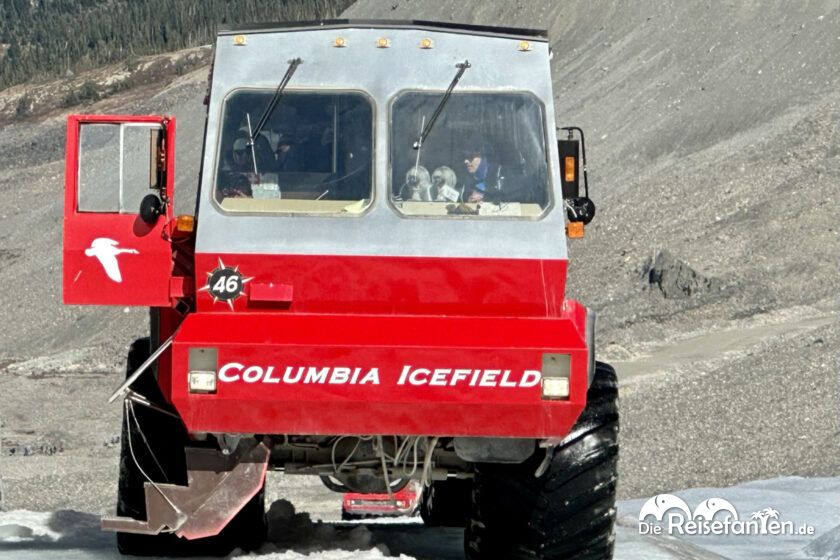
[[426, 43], [524, 46], [240, 40], [569, 169], [340, 42], [185, 223], [383, 43], [574, 230]]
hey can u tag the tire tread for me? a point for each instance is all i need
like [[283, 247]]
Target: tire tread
[[568, 512]]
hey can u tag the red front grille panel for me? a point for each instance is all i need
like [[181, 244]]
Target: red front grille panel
[[380, 374]]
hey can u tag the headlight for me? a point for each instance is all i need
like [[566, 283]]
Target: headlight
[[202, 373], [555, 376], [202, 382]]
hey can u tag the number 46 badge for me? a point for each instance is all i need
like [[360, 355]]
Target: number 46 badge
[[225, 283]]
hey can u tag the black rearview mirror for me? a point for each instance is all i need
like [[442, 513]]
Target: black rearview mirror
[[150, 208], [572, 154]]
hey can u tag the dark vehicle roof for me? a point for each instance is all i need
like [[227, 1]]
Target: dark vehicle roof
[[510, 32]]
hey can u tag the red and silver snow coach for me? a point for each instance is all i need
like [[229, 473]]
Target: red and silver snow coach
[[371, 290]]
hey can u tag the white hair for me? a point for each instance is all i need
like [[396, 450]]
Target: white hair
[[443, 176], [421, 184]]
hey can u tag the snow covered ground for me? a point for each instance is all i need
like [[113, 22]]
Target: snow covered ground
[[815, 502]]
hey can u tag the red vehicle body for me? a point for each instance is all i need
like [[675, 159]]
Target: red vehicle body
[[521, 314], [273, 351]]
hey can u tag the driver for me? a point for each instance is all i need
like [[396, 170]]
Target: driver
[[489, 181], [484, 178]]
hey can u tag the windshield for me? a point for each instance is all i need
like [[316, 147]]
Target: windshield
[[312, 156], [485, 156]]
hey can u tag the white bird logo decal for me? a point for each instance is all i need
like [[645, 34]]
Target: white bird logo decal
[[106, 251]]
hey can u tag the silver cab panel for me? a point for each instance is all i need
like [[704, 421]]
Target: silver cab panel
[[382, 63]]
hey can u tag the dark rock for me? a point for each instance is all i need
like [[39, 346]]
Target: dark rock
[[18, 449], [675, 278]]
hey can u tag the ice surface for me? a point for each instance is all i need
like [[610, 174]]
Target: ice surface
[[826, 546], [815, 501], [293, 535]]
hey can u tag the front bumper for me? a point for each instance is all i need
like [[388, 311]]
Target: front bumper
[[377, 509], [360, 374]]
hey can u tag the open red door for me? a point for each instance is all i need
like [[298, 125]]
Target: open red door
[[111, 255]]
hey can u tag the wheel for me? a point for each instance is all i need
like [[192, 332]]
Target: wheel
[[569, 511], [446, 503], [159, 450]]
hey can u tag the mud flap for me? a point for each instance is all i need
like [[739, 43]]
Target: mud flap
[[218, 486]]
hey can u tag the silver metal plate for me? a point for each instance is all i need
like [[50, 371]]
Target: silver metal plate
[[497, 65]]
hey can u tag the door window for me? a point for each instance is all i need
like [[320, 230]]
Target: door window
[[117, 166]]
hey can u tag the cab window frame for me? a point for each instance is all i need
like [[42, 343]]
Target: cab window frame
[[213, 183], [550, 197]]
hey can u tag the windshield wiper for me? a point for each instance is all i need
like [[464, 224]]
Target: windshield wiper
[[462, 67], [278, 93]]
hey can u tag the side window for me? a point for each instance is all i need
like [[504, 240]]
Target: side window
[[117, 166]]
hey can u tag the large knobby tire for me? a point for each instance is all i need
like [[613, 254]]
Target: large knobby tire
[[569, 511], [446, 503], [167, 437]]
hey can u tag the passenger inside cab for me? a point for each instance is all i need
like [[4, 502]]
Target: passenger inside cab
[[313, 154], [485, 156]]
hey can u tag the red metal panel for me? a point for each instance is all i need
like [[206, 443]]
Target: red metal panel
[[168, 321], [180, 286], [384, 374], [110, 258], [397, 285], [270, 292]]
